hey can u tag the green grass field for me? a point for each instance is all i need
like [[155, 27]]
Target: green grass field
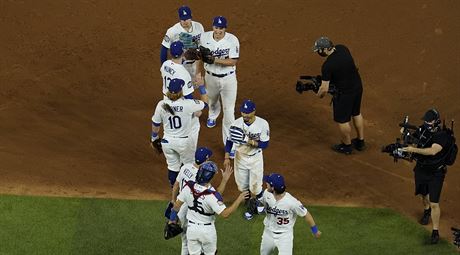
[[43, 225]]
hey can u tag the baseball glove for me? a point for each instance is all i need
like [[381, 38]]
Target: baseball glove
[[157, 145], [206, 55], [187, 40], [252, 205], [237, 135], [192, 54], [171, 230]]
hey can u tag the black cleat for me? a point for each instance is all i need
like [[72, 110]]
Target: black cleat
[[434, 237], [426, 217], [342, 148], [358, 144]]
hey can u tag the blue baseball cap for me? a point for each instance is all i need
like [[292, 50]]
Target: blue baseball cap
[[202, 154], [176, 49], [175, 85], [184, 13], [275, 180], [220, 21], [248, 106]]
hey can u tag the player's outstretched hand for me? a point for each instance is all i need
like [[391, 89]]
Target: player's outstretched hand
[[243, 195], [227, 172], [227, 163]]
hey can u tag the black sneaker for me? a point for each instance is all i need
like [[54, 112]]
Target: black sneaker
[[342, 148], [426, 217], [358, 144], [434, 237]]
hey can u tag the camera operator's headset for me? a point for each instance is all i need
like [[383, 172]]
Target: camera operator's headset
[[436, 115]]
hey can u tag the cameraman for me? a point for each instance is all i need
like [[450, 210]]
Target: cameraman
[[340, 70], [430, 170]]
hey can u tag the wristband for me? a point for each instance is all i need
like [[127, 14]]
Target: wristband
[[314, 229], [173, 215], [202, 89]]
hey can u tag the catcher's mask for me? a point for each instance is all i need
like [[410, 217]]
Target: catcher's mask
[[205, 173], [432, 120]]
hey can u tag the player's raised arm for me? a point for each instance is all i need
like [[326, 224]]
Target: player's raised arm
[[229, 210]]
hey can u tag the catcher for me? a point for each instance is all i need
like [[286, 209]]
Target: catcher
[[250, 135], [203, 203]]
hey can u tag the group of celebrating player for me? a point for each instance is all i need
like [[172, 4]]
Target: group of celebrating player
[[194, 200]]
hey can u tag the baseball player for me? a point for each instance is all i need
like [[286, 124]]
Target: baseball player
[[220, 75], [187, 173], [176, 113], [185, 28], [203, 203], [173, 68], [281, 210], [250, 135]]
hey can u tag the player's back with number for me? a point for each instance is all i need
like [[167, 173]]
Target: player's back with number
[[170, 70], [179, 123]]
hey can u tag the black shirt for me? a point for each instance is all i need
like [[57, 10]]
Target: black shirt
[[340, 69], [442, 138]]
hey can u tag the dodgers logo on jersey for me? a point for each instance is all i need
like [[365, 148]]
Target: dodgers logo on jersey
[[277, 212], [220, 52], [254, 136]]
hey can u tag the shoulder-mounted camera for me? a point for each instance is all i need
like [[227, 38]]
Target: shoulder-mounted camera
[[407, 137]]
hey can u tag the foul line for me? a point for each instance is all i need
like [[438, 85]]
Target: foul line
[[383, 170]]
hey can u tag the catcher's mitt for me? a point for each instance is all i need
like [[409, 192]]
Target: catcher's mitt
[[171, 230], [237, 135], [157, 145], [206, 55]]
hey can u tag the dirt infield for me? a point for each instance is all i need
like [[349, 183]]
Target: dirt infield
[[79, 80]]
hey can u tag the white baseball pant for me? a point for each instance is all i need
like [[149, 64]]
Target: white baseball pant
[[191, 68], [177, 151], [282, 241], [182, 218], [195, 132], [201, 238], [249, 172], [225, 89]]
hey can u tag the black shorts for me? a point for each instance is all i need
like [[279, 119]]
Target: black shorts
[[429, 181], [347, 105]]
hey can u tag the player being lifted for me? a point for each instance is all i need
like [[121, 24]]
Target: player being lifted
[[249, 135], [281, 210], [176, 113]]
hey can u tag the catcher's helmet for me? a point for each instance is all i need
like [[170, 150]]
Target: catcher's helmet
[[322, 43], [205, 173]]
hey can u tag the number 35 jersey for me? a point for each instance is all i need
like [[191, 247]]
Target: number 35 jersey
[[282, 214], [179, 123]]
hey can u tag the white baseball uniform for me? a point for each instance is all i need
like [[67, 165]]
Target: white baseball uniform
[[176, 142], [187, 173], [201, 232], [249, 161], [279, 222], [221, 80], [172, 35], [170, 70]]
